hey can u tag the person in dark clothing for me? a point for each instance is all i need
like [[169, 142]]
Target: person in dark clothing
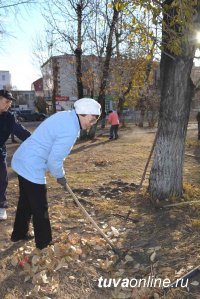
[[12, 136], [8, 125], [198, 120]]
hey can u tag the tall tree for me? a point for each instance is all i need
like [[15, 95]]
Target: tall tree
[[178, 50], [78, 51], [68, 21], [180, 21], [105, 74]]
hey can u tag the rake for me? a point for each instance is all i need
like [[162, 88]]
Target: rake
[[113, 247]]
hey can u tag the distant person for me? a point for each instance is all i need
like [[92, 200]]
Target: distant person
[[198, 120], [8, 125], [44, 151], [113, 119]]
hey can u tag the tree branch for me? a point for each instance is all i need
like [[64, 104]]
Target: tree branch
[[16, 4]]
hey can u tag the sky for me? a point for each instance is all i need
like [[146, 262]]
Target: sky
[[17, 53]]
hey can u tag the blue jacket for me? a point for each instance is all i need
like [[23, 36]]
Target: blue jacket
[[9, 125], [47, 147]]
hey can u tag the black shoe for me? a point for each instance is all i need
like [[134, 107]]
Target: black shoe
[[111, 138], [42, 246], [25, 238]]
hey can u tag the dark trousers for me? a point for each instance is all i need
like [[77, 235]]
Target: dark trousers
[[3, 183], [114, 131], [12, 137], [32, 202]]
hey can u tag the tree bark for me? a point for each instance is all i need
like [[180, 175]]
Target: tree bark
[[122, 98], [78, 53], [104, 79], [176, 94], [166, 176]]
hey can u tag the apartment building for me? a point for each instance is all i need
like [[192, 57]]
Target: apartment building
[[60, 71]]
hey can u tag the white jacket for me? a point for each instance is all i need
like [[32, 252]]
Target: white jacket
[[47, 148]]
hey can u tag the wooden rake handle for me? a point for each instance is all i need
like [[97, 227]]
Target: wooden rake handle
[[92, 220]]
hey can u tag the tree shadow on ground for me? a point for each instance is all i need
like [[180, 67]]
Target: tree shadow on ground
[[88, 146], [196, 153], [169, 233]]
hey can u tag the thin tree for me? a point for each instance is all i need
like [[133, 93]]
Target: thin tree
[[106, 67], [68, 21]]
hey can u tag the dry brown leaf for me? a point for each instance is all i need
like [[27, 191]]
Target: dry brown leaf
[[57, 250], [180, 272], [40, 277], [128, 258], [194, 283], [72, 277], [27, 267], [27, 278], [44, 278], [115, 231], [105, 264], [36, 289], [10, 296], [14, 261], [153, 256], [34, 269], [61, 264], [35, 259], [97, 247]]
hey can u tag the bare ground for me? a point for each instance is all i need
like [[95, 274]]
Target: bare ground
[[162, 243]]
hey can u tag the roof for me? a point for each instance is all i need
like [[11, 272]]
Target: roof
[[38, 85]]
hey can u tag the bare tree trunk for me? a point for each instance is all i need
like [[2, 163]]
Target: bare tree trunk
[[121, 102], [176, 95], [78, 53], [166, 176], [122, 98], [106, 68]]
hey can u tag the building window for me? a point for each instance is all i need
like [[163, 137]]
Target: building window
[[3, 77]]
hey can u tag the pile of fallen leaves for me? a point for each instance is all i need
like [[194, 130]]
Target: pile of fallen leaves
[[39, 267]]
